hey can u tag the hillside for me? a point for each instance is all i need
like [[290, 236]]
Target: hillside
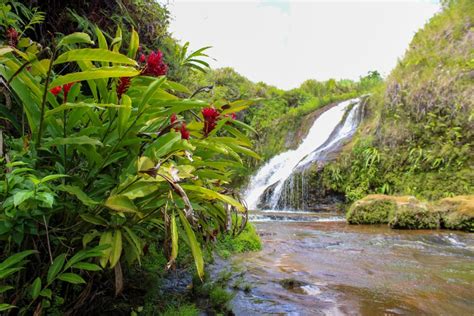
[[417, 138]]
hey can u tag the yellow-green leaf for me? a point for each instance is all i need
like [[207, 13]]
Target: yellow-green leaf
[[94, 54], [105, 239], [116, 248], [120, 203], [96, 73], [193, 244]]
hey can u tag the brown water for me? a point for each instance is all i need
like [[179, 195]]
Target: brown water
[[332, 268]]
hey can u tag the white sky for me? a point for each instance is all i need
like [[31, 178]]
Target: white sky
[[284, 43]]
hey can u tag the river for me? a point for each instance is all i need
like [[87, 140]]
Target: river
[[316, 264]]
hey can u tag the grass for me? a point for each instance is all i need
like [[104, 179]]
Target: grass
[[248, 240]]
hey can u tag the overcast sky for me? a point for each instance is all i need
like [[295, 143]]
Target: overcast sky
[[284, 43]]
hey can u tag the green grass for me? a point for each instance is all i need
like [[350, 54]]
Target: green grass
[[248, 240]]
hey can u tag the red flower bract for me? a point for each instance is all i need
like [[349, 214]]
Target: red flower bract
[[155, 65], [12, 36], [67, 87], [56, 90], [123, 85], [211, 116], [173, 118], [184, 131]]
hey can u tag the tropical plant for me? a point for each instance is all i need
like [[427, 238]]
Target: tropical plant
[[108, 159]]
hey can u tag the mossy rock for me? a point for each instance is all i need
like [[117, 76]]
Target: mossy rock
[[371, 211], [415, 216], [457, 212]]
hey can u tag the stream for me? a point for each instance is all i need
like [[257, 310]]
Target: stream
[[316, 264]]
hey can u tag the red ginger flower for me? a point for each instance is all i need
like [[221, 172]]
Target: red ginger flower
[[56, 90], [173, 118], [142, 58], [155, 65], [12, 36], [123, 85], [210, 118], [184, 131], [67, 87]]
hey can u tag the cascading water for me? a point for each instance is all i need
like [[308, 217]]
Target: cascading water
[[278, 180]]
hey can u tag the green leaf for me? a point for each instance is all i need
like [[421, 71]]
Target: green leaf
[[134, 42], [35, 288], [105, 239], [116, 248], [46, 293], [94, 54], [78, 140], [55, 268], [53, 177], [134, 241], [102, 41], [5, 307], [4, 288], [87, 266], [174, 238], [120, 203], [96, 73], [124, 113], [77, 192], [193, 244], [21, 196], [9, 271], [76, 38], [72, 106], [16, 258], [71, 278], [152, 88], [5, 50], [214, 195], [164, 144], [94, 219]]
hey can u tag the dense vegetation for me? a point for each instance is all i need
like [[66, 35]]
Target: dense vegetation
[[108, 166], [418, 135]]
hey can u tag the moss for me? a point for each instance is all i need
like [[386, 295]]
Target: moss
[[248, 240], [412, 216], [376, 211], [406, 212], [183, 310], [457, 212]]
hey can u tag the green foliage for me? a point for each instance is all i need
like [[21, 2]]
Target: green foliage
[[247, 240], [94, 170]]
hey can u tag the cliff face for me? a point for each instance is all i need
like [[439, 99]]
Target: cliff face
[[419, 134]]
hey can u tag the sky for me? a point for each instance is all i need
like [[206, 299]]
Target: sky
[[283, 43]]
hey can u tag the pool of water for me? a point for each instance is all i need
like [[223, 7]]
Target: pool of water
[[316, 264]]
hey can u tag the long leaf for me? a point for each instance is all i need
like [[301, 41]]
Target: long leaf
[[210, 194], [94, 54], [76, 38], [193, 244], [116, 248], [96, 73], [120, 203], [56, 267]]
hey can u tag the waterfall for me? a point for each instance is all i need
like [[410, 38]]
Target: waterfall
[[284, 175]]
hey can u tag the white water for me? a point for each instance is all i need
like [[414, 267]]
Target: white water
[[321, 136]]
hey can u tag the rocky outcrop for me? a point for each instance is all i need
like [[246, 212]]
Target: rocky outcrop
[[407, 212]]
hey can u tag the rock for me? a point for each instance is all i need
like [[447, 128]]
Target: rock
[[407, 212], [415, 216], [457, 212]]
